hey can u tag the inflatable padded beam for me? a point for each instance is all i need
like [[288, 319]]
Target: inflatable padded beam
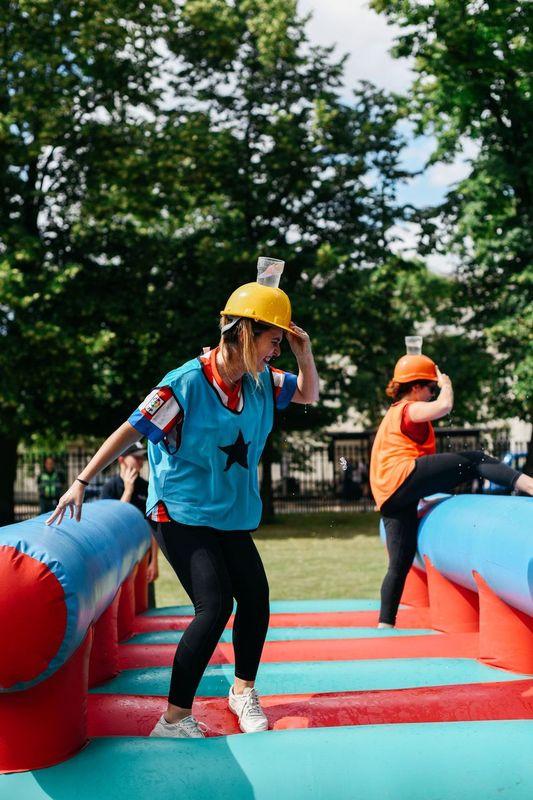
[[131, 715], [491, 536], [467, 533], [56, 581]]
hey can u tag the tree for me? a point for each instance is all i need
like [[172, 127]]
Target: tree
[[473, 79], [306, 178], [76, 118], [150, 153]]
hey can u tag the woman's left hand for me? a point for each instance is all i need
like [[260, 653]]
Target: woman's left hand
[[307, 382], [299, 341]]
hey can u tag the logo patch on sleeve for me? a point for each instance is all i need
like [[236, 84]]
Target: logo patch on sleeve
[[154, 404]]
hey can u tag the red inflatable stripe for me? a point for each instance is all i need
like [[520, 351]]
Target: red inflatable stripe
[[407, 618], [457, 645], [130, 715]]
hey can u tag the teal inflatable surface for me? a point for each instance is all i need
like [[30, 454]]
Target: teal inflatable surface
[[321, 676], [433, 761]]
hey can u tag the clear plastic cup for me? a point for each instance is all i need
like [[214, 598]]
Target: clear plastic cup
[[269, 271], [413, 345]]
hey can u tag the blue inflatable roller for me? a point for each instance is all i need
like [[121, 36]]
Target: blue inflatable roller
[[490, 535]]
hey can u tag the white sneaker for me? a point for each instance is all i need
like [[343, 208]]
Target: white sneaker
[[187, 728], [247, 708]]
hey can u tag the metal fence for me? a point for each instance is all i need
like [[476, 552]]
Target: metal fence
[[333, 475], [67, 465], [330, 475]]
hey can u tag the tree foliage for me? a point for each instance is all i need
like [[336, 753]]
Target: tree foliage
[[77, 105], [306, 178], [77, 90], [149, 152], [473, 80]]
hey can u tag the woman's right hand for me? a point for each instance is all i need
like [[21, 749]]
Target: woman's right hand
[[73, 500], [445, 399], [129, 475]]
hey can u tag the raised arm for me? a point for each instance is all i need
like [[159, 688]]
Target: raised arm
[[113, 446], [308, 383], [435, 409]]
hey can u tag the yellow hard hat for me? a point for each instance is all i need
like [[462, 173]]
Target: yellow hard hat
[[262, 303]]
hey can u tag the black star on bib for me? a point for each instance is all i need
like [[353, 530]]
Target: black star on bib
[[237, 452]]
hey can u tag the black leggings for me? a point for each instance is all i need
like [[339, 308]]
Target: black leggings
[[214, 567], [441, 472]]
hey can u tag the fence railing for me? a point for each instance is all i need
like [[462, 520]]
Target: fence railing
[[333, 475], [33, 495], [330, 475]]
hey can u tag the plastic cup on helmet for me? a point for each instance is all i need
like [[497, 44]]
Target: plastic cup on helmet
[[413, 345], [269, 271]]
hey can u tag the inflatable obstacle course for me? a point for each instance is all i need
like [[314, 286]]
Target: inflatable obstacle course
[[415, 712]]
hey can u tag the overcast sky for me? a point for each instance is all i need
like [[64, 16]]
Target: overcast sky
[[364, 35]]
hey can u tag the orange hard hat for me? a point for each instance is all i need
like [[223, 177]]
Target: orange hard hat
[[414, 368]]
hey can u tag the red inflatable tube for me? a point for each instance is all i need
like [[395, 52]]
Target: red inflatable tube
[[47, 723], [33, 617], [452, 608], [126, 606], [141, 585], [59, 592], [505, 633], [415, 591], [130, 715], [104, 663]]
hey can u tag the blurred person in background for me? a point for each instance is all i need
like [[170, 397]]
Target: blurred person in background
[[50, 484]]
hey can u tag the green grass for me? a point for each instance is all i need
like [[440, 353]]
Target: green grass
[[309, 556]]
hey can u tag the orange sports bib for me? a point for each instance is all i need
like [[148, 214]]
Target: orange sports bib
[[394, 453]]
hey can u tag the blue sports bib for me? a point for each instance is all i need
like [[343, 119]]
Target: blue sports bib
[[211, 477]]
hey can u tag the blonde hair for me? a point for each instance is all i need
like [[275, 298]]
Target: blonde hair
[[238, 344]]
